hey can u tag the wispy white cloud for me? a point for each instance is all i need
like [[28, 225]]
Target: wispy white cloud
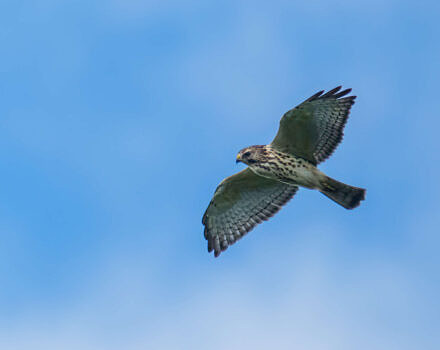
[[373, 304]]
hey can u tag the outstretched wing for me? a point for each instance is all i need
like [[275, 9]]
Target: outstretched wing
[[241, 202], [314, 129]]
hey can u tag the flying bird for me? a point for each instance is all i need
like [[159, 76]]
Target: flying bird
[[308, 135]]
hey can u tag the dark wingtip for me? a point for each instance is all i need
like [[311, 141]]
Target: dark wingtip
[[315, 96], [332, 91], [342, 93]]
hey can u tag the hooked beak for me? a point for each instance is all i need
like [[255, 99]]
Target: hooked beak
[[238, 160]]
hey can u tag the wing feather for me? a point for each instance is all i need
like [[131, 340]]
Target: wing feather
[[313, 129], [241, 202]]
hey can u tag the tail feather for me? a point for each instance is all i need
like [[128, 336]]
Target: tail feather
[[348, 196]]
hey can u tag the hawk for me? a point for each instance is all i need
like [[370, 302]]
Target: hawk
[[308, 135]]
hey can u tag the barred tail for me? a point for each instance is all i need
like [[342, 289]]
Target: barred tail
[[348, 196]]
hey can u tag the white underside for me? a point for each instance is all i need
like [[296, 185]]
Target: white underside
[[309, 176]]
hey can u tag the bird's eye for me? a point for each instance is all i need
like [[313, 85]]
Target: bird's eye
[[247, 154]]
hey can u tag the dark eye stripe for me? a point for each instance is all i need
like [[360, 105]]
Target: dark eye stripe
[[247, 154]]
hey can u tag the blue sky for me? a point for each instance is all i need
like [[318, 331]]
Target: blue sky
[[118, 120]]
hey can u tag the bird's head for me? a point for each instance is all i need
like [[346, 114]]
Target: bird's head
[[250, 155]]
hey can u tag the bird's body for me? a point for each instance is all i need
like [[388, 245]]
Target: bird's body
[[308, 134], [265, 161], [284, 167]]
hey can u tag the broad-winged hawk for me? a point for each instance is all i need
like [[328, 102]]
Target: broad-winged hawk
[[308, 134]]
